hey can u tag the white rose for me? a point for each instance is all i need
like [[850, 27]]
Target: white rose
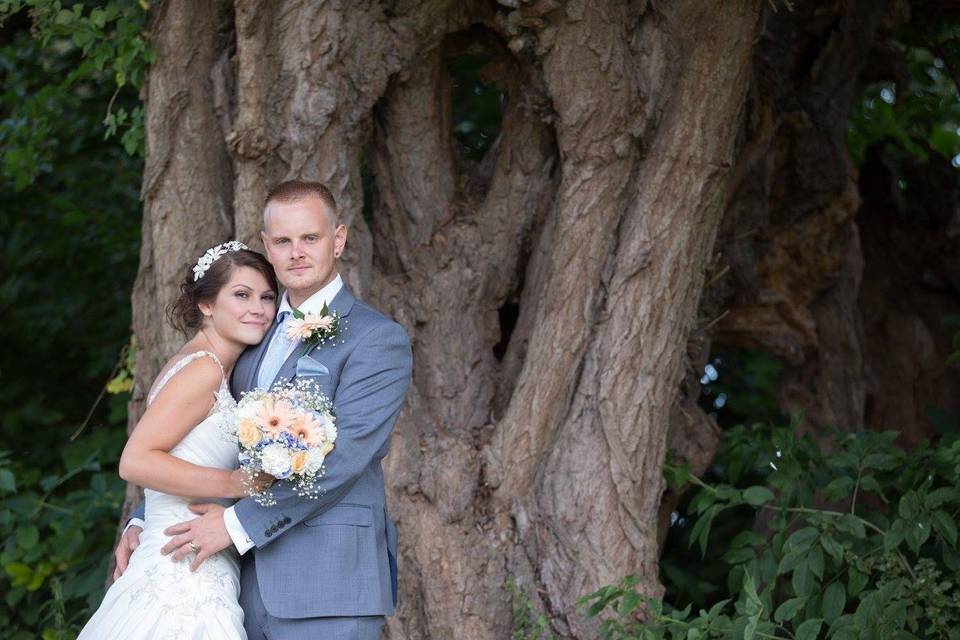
[[248, 410], [315, 457], [275, 460]]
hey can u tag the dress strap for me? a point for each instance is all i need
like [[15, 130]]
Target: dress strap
[[180, 364]]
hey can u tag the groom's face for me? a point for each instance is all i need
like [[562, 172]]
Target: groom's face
[[302, 241]]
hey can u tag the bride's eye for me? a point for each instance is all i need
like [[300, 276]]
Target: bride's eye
[[242, 294]]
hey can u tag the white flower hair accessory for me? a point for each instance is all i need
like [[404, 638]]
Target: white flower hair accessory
[[213, 254]]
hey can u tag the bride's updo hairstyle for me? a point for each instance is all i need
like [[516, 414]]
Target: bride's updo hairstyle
[[184, 314]]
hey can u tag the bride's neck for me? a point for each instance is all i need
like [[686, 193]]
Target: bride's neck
[[226, 350]]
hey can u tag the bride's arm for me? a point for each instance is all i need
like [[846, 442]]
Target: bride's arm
[[181, 404]]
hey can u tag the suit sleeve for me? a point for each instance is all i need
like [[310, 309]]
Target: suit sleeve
[[137, 517], [370, 393]]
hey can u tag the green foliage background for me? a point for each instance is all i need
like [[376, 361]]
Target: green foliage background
[[70, 211]]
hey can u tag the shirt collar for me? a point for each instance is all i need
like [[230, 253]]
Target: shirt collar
[[314, 303]]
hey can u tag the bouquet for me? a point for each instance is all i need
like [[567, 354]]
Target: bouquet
[[286, 432]]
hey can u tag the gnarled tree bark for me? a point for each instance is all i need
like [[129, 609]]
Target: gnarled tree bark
[[533, 448]]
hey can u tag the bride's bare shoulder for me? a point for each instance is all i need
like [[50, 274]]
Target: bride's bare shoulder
[[188, 371]]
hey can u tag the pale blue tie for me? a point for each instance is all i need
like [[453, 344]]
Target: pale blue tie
[[276, 353]]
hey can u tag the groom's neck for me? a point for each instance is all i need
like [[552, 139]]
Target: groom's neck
[[298, 296]]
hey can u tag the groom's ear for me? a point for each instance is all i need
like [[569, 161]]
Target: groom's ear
[[340, 238]]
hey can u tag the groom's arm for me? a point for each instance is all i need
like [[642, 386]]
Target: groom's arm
[[137, 516], [129, 540], [371, 390]]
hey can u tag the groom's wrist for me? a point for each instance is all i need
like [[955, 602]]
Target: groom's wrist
[[134, 522], [237, 533]]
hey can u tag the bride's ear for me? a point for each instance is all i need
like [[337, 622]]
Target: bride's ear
[[206, 308]]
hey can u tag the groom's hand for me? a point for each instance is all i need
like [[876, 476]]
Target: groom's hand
[[208, 533], [129, 541]]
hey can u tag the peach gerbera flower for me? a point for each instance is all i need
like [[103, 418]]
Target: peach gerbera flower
[[298, 329], [317, 321], [306, 428], [303, 328], [275, 415]]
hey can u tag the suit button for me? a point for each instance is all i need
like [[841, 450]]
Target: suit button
[[286, 520], [268, 533]]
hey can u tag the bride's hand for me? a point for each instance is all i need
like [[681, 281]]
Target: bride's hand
[[243, 483]]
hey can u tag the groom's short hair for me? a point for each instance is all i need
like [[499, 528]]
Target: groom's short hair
[[292, 190]]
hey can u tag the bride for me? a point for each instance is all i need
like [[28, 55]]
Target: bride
[[178, 453]]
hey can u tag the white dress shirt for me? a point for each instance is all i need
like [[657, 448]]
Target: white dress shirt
[[313, 304]]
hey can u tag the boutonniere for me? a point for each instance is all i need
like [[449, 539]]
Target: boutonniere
[[314, 329]]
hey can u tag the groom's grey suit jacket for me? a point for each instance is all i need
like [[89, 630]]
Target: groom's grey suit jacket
[[336, 555]]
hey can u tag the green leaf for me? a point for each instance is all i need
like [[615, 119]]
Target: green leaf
[[834, 600], [27, 537], [748, 539], [750, 589], [951, 558], [856, 581], [839, 488], [8, 482], [757, 496], [64, 18], [938, 497], [909, 507], [802, 581], [809, 629], [802, 539], [882, 461], [815, 561], [21, 573], [789, 609], [832, 547], [894, 535], [629, 602], [916, 535], [701, 529], [852, 525], [790, 561], [738, 556], [869, 483], [945, 526]]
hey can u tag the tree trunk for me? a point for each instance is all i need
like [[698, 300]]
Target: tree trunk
[[824, 267], [550, 289]]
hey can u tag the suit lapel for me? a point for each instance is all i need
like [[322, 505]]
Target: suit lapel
[[342, 302]]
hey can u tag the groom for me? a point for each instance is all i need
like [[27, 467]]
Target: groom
[[314, 568]]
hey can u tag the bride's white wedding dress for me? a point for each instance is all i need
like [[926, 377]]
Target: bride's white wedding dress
[[157, 598]]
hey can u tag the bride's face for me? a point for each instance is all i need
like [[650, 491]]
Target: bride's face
[[244, 307]]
